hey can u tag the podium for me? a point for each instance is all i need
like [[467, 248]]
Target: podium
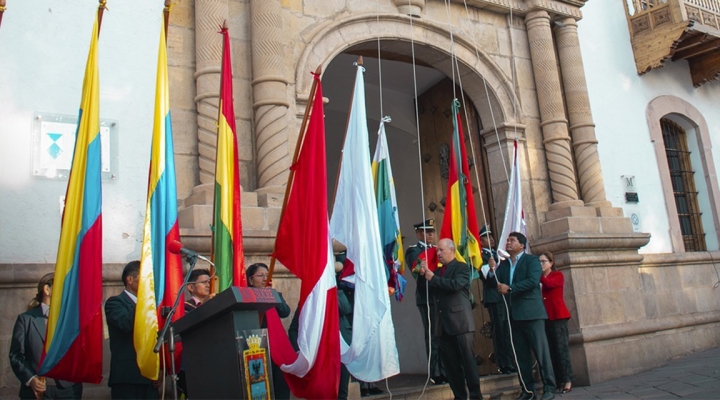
[[212, 359]]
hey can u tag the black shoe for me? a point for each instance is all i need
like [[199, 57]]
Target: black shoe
[[548, 395], [507, 370], [438, 380], [526, 396], [364, 392], [375, 390]]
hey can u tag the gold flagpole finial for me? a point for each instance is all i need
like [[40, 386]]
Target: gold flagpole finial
[[2, 9]]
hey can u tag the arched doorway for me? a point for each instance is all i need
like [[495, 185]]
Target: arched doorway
[[419, 195]]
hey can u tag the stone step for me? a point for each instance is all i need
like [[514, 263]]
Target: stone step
[[413, 387]]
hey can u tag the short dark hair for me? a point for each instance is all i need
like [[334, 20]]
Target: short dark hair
[[131, 269], [196, 273], [251, 270], [520, 238]]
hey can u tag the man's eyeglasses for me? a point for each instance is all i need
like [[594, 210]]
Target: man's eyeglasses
[[207, 282]]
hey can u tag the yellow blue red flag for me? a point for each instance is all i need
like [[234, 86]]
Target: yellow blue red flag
[[73, 345], [160, 275]]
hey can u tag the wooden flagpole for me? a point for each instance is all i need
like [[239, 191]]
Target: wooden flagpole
[[214, 279], [301, 137], [2, 10], [101, 9], [166, 17]]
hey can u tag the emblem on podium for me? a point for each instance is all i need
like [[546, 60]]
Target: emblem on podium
[[256, 369]]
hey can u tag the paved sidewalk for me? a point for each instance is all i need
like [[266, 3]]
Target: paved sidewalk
[[695, 376]]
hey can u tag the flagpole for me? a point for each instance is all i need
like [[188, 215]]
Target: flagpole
[[166, 16], [303, 129], [101, 9], [214, 280], [359, 63], [2, 10]]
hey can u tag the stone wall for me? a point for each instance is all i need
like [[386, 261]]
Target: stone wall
[[628, 319]]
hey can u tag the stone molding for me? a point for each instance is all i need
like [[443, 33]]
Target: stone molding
[[565, 8], [644, 327], [328, 39], [587, 250]]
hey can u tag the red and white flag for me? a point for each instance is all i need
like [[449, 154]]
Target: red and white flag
[[304, 247], [514, 214]]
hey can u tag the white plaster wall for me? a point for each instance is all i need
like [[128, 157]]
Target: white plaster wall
[[619, 98], [42, 56]]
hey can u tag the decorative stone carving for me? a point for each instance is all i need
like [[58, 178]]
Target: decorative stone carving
[[582, 127], [209, 15], [269, 94], [412, 8], [552, 113]]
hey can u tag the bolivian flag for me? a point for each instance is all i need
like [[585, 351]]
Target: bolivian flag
[[460, 221], [227, 236], [160, 270], [73, 346]]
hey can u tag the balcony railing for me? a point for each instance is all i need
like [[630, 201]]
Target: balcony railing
[[673, 30], [649, 13]]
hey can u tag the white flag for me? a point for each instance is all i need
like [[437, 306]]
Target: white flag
[[372, 356], [514, 214]]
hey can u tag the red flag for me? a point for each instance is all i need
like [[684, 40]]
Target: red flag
[[305, 249]]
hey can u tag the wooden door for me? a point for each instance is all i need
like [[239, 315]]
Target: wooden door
[[436, 126]]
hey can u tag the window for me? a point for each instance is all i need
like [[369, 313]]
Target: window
[[683, 184]]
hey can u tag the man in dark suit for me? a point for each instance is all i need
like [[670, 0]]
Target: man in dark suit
[[493, 301], [455, 326], [26, 348], [424, 298], [125, 381], [519, 276]]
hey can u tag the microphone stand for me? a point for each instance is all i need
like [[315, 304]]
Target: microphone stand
[[192, 260]]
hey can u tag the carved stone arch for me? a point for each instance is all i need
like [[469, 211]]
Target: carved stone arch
[[432, 44], [677, 108]]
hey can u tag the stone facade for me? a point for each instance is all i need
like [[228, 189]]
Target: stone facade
[[630, 311]]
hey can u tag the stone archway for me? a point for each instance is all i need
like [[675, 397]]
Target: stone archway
[[431, 41]]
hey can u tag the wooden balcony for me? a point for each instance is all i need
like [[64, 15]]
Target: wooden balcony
[[675, 30]]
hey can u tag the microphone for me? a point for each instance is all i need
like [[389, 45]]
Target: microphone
[[176, 247]]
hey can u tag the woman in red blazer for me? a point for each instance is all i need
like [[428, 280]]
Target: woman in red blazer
[[556, 328]]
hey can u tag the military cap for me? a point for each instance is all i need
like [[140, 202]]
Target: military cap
[[426, 225], [485, 231]]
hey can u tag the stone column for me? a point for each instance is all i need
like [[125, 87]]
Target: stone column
[[270, 95], [209, 16], [552, 114], [582, 127]]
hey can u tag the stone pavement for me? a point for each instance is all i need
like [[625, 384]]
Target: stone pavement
[[694, 376]]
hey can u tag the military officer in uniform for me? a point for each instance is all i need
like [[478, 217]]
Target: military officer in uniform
[[424, 298]]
